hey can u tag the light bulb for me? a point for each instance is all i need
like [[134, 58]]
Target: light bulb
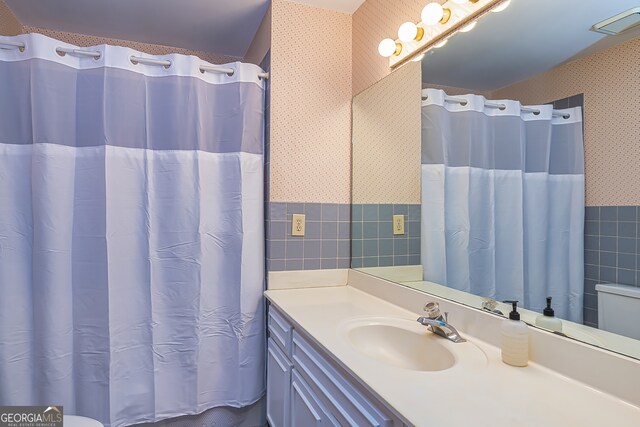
[[442, 43], [418, 58], [432, 13], [409, 32], [502, 7], [387, 47], [469, 27]]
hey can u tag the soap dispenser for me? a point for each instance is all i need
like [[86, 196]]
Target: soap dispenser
[[547, 319], [515, 339]]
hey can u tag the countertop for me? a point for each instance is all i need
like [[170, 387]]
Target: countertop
[[492, 395]]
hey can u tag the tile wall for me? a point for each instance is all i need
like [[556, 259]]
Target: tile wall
[[375, 245]]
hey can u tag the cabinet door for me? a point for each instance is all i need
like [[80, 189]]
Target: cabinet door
[[306, 408], [278, 386]]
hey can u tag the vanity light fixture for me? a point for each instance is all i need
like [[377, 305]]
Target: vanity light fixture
[[439, 23]]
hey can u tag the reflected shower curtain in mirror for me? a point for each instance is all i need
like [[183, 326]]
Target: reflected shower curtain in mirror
[[131, 234], [503, 201]]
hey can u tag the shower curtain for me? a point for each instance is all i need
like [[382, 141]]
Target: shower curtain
[[131, 233], [503, 201]]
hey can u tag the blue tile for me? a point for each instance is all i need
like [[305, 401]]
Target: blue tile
[[313, 230], [608, 244], [329, 212], [370, 230], [356, 230], [329, 230], [328, 264], [312, 249], [608, 274], [592, 228], [608, 259], [356, 262], [313, 211], [590, 286], [344, 248], [294, 249], [591, 301], [591, 317], [400, 260], [370, 262], [627, 261], [344, 212], [386, 213], [356, 213], [592, 272], [592, 213], [627, 213], [609, 228], [356, 248], [277, 265], [627, 246], [344, 262], [385, 229], [401, 210], [413, 229], [576, 100], [592, 243], [627, 229], [400, 246], [295, 208], [414, 246], [627, 277], [386, 247], [276, 249], [329, 249], [414, 212], [414, 260], [385, 261], [608, 213], [370, 212], [277, 211], [344, 230], [370, 248], [592, 257], [312, 264], [294, 264], [278, 230]]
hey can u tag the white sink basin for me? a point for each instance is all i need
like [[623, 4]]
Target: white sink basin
[[408, 345]]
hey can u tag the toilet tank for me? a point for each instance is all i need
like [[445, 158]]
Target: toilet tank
[[619, 309]]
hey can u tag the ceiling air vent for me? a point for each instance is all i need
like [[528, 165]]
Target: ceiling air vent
[[620, 23]]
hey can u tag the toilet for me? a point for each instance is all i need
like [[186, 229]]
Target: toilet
[[619, 309], [78, 421]]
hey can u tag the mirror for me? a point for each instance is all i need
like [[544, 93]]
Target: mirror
[[504, 167]]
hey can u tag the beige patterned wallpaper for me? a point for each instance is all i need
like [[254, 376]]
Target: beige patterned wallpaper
[[610, 81], [386, 139], [152, 49], [9, 24], [372, 22], [310, 104]]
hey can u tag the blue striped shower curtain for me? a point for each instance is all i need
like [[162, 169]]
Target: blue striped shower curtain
[[131, 233]]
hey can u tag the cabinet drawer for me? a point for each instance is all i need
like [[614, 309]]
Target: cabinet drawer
[[348, 404], [278, 391], [280, 330], [306, 409]]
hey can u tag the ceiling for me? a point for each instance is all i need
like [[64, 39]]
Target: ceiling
[[221, 26], [528, 38], [344, 6]]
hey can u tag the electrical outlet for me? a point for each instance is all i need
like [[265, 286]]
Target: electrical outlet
[[398, 224], [297, 225]]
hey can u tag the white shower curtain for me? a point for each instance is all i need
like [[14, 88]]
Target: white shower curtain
[[503, 201], [131, 233]]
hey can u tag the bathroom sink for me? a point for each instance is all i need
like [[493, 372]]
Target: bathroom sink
[[408, 345]]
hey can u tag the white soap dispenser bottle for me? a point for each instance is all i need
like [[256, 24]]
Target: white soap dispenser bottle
[[515, 339], [547, 319]]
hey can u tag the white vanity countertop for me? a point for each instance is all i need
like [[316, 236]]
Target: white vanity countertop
[[494, 395]]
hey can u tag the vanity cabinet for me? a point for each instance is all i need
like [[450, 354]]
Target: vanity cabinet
[[306, 388]]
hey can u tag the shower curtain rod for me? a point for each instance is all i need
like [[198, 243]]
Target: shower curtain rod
[[134, 59], [490, 104]]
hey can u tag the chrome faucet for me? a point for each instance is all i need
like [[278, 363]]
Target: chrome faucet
[[439, 324]]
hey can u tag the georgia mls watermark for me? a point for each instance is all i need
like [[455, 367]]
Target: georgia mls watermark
[[30, 416]]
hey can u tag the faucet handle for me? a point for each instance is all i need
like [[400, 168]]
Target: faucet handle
[[446, 316], [432, 309]]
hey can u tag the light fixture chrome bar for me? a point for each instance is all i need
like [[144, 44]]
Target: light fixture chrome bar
[[488, 104], [79, 52], [150, 61], [8, 44]]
